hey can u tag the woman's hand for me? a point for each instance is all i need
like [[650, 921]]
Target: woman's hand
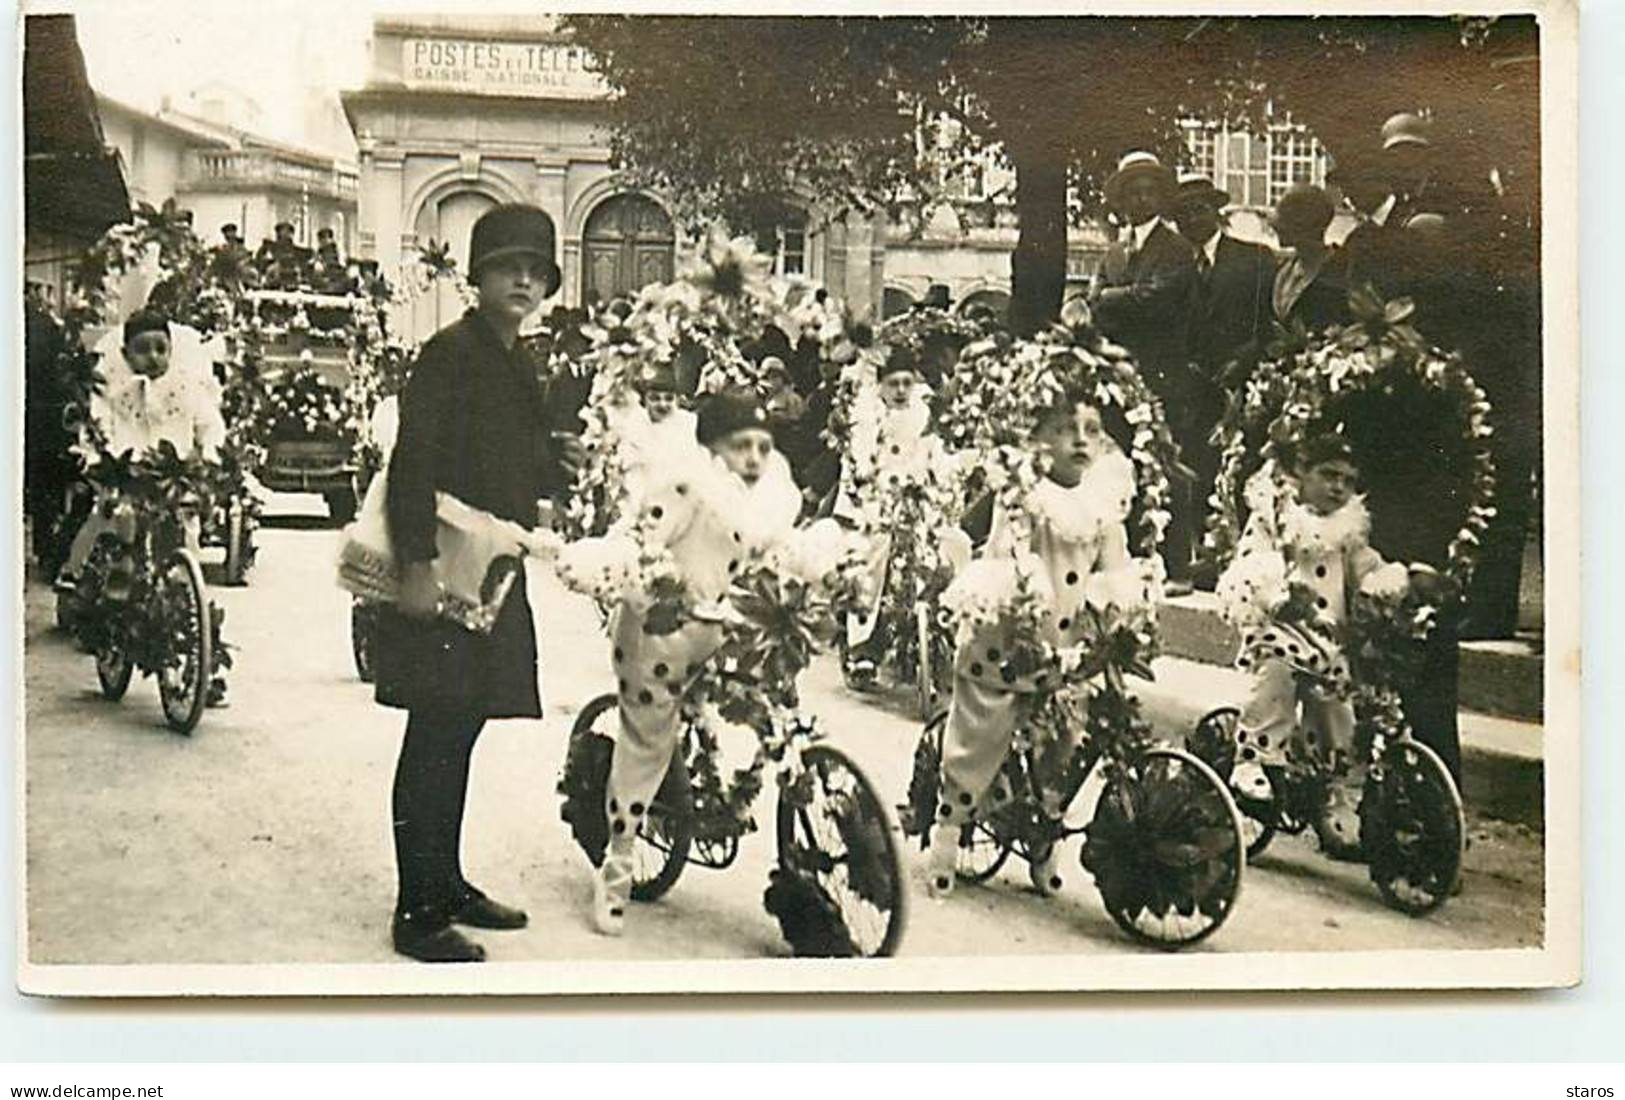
[[420, 592]]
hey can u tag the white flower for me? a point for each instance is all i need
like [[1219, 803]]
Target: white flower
[[1389, 582]]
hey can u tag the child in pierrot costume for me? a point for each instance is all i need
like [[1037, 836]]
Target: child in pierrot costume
[[732, 499], [1072, 540], [892, 444], [1302, 558]]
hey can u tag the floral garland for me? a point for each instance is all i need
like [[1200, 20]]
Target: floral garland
[[699, 326], [1288, 398], [1000, 386], [993, 401]]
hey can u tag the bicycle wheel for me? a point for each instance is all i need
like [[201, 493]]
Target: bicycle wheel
[[183, 613], [363, 624], [661, 846], [1213, 741], [1165, 849], [1412, 828], [838, 890], [114, 669]]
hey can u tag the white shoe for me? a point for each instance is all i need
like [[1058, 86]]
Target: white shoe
[[611, 889], [1249, 780], [941, 860]]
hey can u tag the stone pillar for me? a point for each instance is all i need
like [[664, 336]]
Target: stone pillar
[[548, 192], [382, 183]]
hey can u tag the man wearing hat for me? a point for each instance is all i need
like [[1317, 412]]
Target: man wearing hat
[[472, 426], [1230, 324], [1141, 299], [1230, 302]]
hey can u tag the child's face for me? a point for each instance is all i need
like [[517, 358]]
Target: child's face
[[1070, 442], [512, 287], [148, 353], [1327, 486], [660, 404], [896, 387], [745, 452]]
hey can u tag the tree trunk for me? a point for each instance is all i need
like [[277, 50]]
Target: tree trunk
[[1038, 265]]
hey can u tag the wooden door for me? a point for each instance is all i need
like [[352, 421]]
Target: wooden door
[[629, 243]]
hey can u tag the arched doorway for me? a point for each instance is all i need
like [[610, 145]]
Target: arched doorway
[[628, 243], [894, 302], [450, 220]]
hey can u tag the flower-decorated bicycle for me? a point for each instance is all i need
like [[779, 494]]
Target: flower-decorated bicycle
[[156, 261], [838, 888], [722, 653], [1164, 842], [1408, 823], [901, 488], [140, 602]]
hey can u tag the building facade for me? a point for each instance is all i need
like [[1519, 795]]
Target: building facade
[[460, 113], [225, 174]]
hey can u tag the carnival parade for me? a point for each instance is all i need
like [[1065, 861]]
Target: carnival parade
[[881, 615]]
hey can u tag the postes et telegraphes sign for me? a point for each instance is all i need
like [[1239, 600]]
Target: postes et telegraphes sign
[[542, 69]]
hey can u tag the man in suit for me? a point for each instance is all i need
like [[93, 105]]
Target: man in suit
[[1230, 321], [1141, 299]]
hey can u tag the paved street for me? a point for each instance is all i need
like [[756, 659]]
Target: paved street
[[265, 836]]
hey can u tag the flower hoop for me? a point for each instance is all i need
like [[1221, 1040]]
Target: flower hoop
[[703, 327], [1309, 388], [993, 398]]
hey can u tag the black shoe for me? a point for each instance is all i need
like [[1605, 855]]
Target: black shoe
[[479, 911], [434, 942]]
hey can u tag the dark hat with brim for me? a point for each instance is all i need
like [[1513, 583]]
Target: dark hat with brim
[[1305, 209], [514, 229], [1196, 188], [722, 414], [1138, 165]]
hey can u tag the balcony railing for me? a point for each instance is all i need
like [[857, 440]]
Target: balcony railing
[[259, 168]]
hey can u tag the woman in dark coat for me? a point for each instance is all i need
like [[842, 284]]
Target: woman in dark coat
[[1312, 285], [473, 426]]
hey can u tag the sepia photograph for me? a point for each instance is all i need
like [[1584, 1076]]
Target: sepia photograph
[[734, 501]]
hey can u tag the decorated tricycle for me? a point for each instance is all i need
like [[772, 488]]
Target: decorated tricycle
[[140, 602], [1333, 634], [1053, 615]]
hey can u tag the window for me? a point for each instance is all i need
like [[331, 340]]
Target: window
[[786, 242], [1202, 148], [1294, 158]]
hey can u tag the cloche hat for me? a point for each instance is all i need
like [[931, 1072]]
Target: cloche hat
[[514, 229]]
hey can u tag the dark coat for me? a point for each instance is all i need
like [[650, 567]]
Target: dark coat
[[1325, 301], [472, 425], [1231, 317], [1142, 301]]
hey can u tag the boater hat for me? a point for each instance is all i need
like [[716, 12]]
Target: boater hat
[[1134, 166], [1198, 188], [514, 229]]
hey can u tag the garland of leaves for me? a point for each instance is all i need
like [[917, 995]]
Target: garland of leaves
[[701, 326], [1288, 399]]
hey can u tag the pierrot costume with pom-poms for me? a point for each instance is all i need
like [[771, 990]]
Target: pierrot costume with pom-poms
[[1079, 555], [1297, 663], [712, 523], [890, 446]]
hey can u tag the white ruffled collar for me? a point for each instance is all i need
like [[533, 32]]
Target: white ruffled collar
[[1300, 528], [1102, 496]]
